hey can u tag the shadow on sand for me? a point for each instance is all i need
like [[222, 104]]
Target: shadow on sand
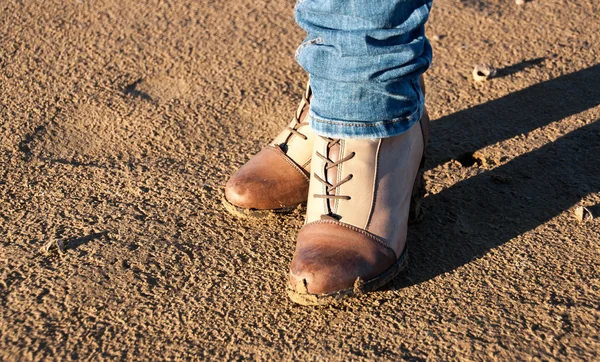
[[473, 216]]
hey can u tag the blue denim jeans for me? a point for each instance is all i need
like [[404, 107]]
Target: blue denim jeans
[[364, 58]]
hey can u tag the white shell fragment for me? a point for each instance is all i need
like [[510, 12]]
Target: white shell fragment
[[583, 214], [520, 2], [483, 72], [54, 245]]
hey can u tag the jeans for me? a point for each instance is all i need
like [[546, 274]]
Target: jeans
[[364, 58]]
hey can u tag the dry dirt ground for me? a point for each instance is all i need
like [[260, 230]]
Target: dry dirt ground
[[120, 121]]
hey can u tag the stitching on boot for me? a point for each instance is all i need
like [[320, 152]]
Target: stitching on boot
[[375, 238], [375, 189], [340, 170], [289, 161]]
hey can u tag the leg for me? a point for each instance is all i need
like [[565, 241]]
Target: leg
[[371, 83], [364, 59]]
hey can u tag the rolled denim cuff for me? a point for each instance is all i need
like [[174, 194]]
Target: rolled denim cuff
[[364, 110], [356, 129], [364, 58]]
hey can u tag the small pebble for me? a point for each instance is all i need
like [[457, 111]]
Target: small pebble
[[583, 214], [54, 245], [483, 72], [520, 2]]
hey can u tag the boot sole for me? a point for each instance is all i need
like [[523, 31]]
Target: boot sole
[[257, 213], [415, 216]]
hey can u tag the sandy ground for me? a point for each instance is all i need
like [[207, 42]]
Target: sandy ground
[[120, 122]]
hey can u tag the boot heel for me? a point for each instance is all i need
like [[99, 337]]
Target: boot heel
[[415, 214]]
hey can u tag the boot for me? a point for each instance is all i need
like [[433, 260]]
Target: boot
[[276, 179], [361, 195]]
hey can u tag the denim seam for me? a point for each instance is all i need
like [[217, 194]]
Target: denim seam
[[361, 124], [304, 44]]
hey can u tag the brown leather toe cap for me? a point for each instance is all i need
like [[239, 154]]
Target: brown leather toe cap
[[330, 256], [269, 180]]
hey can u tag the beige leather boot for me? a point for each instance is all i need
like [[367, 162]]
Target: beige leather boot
[[358, 209], [275, 179]]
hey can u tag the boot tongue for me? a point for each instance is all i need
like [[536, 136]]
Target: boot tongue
[[301, 118], [304, 112], [332, 173]]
